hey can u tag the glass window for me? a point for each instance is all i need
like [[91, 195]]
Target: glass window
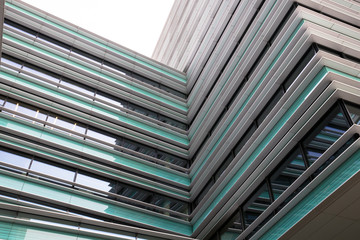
[[53, 169], [244, 139], [144, 237], [65, 123], [325, 134], [109, 99], [204, 191], [96, 182], [172, 122], [77, 87], [14, 158], [134, 193], [354, 112], [130, 145], [101, 136], [289, 170], [178, 206], [145, 80], [116, 68], [335, 155], [86, 56], [295, 72], [256, 205], [54, 43], [172, 159], [109, 232], [270, 105], [11, 61], [232, 229], [161, 201], [41, 73], [147, 150], [2, 100], [19, 28], [31, 112], [173, 91], [11, 104], [223, 166], [26, 109]]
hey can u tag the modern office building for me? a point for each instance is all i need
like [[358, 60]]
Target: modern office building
[[244, 125]]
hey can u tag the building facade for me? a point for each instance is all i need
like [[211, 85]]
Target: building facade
[[245, 126]]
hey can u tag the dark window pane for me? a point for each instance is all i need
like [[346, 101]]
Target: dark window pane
[[2, 100], [256, 205], [86, 56], [244, 139], [116, 68], [299, 67], [326, 132], [289, 170], [54, 43], [19, 28], [223, 166], [354, 112], [204, 191], [270, 105], [134, 193], [172, 159], [232, 229], [335, 155]]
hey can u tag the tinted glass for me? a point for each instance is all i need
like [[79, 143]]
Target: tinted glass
[[325, 134], [232, 229], [270, 105], [256, 205], [354, 112], [292, 167], [244, 139]]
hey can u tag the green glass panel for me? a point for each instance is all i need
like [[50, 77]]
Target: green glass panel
[[5, 229], [47, 192], [322, 191], [11, 182], [19, 232]]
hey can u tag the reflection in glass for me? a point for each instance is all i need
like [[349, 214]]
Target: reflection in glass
[[40, 72], [325, 134], [256, 205], [287, 172], [97, 182], [354, 112], [14, 158], [53, 169], [232, 229], [11, 61], [100, 136], [76, 87]]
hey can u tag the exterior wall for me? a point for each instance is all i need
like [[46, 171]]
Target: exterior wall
[[90, 130]]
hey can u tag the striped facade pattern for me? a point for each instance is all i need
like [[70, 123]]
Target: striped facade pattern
[[236, 130]]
